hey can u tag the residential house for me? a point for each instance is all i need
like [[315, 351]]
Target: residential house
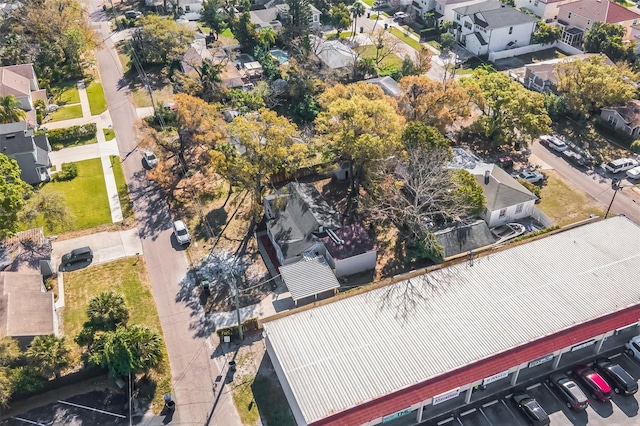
[[543, 76], [492, 26], [31, 151], [21, 82], [333, 54], [547, 10], [388, 85], [442, 9], [301, 224], [625, 118], [273, 17], [464, 237], [577, 18], [232, 76]]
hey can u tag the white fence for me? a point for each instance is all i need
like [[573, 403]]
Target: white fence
[[564, 47]]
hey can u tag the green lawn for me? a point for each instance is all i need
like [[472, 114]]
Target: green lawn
[[260, 396], [407, 39], [97, 101], [109, 134], [129, 277], [121, 184], [391, 61], [66, 113], [564, 204], [86, 196], [343, 35], [65, 92], [369, 2]]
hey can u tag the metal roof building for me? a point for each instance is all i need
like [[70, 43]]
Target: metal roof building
[[308, 278], [364, 358]]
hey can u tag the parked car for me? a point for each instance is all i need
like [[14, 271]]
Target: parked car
[[554, 143], [572, 394], [150, 158], [531, 409], [634, 173], [617, 376], [181, 232], [400, 16], [621, 165], [596, 385], [82, 254], [531, 176], [132, 14], [505, 162], [633, 347]]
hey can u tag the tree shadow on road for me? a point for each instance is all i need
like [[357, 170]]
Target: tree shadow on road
[[152, 210]]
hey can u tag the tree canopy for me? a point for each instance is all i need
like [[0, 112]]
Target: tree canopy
[[546, 34], [13, 194], [11, 110], [340, 17], [608, 39], [48, 355], [160, 40]]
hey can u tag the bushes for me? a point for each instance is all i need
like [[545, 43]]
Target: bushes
[[635, 146], [74, 135], [69, 171], [535, 189], [249, 325]]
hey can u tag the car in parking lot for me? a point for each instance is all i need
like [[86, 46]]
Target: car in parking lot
[[181, 232], [570, 391], [634, 173], [617, 376], [531, 409], [595, 384], [82, 254], [620, 165], [554, 143], [531, 176], [633, 347], [150, 158]]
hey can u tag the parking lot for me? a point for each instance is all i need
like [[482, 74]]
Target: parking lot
[[621, 410]]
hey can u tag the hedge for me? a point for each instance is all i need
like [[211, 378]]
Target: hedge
[[72, 134], [249, 325]]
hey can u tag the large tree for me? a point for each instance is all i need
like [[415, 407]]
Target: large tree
[[48, 355], [340, 17], [107, 311], [510, 112], [11, 110], [210, 14], [362, 125], [546, 34], [297, 19], [608, 39], [48, 206], [588, 85], [13, 192], [160, 40]]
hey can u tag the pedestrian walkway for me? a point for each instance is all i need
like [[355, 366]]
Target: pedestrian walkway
[[103, 149]]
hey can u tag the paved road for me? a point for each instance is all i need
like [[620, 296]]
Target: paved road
[[190, 344], [596, 183]]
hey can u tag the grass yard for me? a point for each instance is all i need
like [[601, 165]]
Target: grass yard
[[129, 277], [66, 113], [86, 196], [343, 35], [405, 38], [65, 92], [109, 134], [369, 2], [97, 101], [542, 55], [121, 184], [564, 204], [141, 96], [259, 396], [391, 61]]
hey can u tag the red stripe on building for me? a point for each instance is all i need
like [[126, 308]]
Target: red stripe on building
[[479, 370]]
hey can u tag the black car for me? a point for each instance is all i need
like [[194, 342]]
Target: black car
[[571, 392], [621, 381], [82, 254], [531, 409]]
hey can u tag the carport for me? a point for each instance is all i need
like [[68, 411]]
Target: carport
[[309, 278]]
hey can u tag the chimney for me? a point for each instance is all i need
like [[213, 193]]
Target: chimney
[[487, 173]]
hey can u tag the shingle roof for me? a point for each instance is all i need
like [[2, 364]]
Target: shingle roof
[[502, 191], [388, 85], [464, 237], [630, 112], [494, 14], [355, 238], [12, 83], [308, 277], [364, 349], [15, 138], [25, 310], [600, 11]]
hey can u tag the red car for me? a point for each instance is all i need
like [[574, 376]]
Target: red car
[[593, 382]]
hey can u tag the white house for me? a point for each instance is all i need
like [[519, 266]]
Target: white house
[[442, 9], [546, 10], [492, 26], [625, 118]]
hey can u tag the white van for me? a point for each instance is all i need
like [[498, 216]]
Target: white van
[[400, 16], [620, 165]]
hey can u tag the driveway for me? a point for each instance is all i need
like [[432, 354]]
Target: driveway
[[106, 246]]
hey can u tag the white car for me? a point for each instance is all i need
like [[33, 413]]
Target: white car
[[633, 347], [621, 165], [634, 173], [531, 176], [181, 232], [150, 158], [556, 144]]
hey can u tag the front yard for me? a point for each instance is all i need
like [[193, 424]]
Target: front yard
[[129, 277], [97, 101], [65, 113]]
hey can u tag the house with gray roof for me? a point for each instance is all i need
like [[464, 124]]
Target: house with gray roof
[[464, 237], [389, 86], [492, 26], [31, 151]]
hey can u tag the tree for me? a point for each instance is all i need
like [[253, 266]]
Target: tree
[[11, 110], [362, 125], [127, 350], [206, 84], [107, 311], [593, 83], [357, 11], [546, 34], [264, 144], [447, 40], [211, 16], [6, 386], [510, 112], [244, 30], [161, 41], [48, 355], [434, 103], [14, 50], [297, 19], [340, 17], [13, 192], [419, 66], [9, 351], [244, 101], [608, 39], [50, 207]]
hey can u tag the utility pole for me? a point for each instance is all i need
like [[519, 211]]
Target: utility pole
[[615, 185], [236, 294]]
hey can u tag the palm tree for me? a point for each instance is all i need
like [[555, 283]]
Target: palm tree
[[48, 355], [107, 310], [357, 10], [11, 110]]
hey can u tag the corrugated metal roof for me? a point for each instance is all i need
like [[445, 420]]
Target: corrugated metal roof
[[372, 344], [308, 277]]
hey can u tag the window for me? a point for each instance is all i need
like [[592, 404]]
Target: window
[[569, 15], [503, 213], [467, 25], [510, 30], [457, 16], [519, 208], [10, 136], [612, 120], [637, 346], [187, 8]]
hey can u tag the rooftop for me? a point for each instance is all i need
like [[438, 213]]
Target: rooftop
[[600, 11], [25, 310], [308, 277], [629, 112], [474, 312], [354, 240], [502, 190]]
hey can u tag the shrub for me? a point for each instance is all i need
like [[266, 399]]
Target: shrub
[[249, 325], [26, 381], [535, 189], [69, 171], [72, 134], [635, 146]]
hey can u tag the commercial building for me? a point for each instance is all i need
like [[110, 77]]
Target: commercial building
[[400, 353]]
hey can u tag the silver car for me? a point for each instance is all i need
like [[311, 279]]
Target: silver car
[[150, 158], [181, 232]]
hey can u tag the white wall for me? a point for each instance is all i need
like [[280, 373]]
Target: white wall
[[353, 265], [493, 56], [494, 219], [500, 37], [569, 50]]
